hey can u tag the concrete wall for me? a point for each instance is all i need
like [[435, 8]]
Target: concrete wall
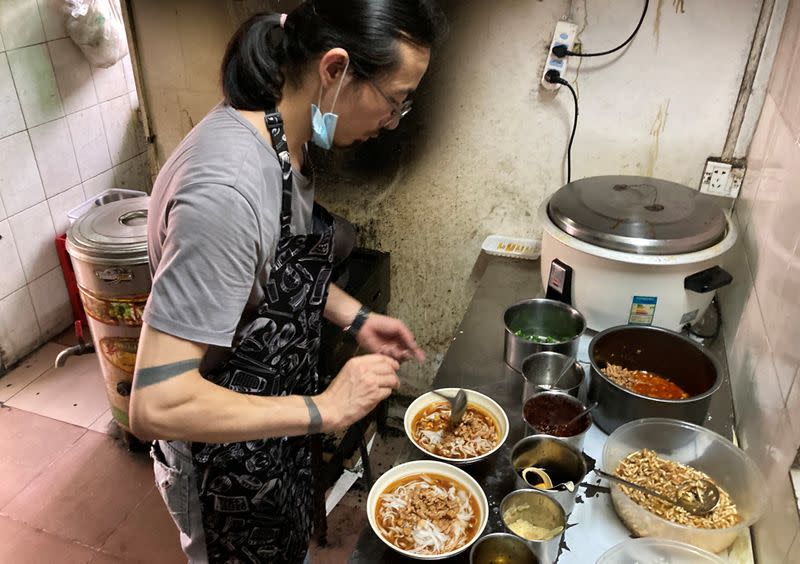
[[762, 308], [484, 145]]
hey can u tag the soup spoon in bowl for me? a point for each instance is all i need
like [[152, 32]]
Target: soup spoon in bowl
[[458, 405]]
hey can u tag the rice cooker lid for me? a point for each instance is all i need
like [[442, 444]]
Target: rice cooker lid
[[638, 214], [115, 232]]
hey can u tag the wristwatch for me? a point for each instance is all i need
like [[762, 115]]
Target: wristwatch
[[358, 321]]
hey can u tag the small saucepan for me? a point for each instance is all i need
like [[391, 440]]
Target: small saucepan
[[538, 325]]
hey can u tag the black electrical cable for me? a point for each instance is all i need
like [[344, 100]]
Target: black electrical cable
[[554, 77], [561, 51], [572, 136]]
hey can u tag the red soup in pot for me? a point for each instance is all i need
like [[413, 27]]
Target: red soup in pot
[[644, 383]]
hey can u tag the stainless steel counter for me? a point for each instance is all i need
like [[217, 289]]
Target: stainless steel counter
[[475, 360]]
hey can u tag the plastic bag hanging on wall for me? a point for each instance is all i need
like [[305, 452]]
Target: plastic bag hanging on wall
[[96, 27]]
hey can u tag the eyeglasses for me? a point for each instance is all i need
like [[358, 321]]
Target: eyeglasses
[[399, 111]]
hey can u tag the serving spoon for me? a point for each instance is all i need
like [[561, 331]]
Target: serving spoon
[[698, 497], [581, 414], [458, 405]]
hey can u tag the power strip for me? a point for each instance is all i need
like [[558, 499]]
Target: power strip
[[564, 35]]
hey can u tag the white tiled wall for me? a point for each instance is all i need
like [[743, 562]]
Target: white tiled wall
[[763, 304], [67, 131]]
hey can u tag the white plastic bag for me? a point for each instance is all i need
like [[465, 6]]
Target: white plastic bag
[[96, 26]]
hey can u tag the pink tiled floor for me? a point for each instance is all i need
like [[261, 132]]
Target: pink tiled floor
[[72, 493]]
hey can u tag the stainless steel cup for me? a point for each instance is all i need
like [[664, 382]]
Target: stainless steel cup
[[544, 369], [541, 316], [501, 547], [539, 510], [562, 461], [576, 440]]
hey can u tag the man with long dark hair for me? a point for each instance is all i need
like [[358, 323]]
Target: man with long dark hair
[[241, 259]]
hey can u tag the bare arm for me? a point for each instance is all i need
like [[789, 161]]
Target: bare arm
[[341, 307], [171, 400]]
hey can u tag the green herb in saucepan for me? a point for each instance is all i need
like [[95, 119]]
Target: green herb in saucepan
[[541, 339]]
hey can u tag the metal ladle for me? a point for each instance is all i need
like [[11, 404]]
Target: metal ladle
[[698, 497], [458, 405], [567, 365]]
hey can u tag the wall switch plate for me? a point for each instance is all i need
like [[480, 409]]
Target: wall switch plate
[[564, 35], [721, 178]]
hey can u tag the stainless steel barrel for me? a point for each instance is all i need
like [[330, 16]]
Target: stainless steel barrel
[[108, 247]]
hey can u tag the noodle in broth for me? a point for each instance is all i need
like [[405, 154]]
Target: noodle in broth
[[427, 514], [476, 434]]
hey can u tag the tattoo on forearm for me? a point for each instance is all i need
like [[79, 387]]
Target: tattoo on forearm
[[315, 423], [155, 374]]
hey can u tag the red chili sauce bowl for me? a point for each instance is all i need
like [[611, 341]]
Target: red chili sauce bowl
[[548, 413]]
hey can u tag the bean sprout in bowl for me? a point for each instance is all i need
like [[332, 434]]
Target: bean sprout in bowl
[[482, 431], [427, 510], [662, 453]]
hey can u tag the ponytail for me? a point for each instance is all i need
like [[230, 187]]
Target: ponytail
[[252, 75]]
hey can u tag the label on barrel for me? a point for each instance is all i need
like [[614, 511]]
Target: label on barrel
[[119, 310], [120, 351], [114, 275]]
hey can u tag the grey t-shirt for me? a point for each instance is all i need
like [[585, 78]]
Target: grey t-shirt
[[212, 228]]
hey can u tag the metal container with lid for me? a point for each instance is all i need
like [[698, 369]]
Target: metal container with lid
[[108, 247], [636, 214], [632, 249]]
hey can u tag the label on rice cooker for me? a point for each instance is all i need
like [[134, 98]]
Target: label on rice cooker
[[689, 316], [643, 309]]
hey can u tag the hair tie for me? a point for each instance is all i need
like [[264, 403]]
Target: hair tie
[[283, 19]]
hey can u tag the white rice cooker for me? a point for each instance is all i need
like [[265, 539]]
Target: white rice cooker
[[634, 250]]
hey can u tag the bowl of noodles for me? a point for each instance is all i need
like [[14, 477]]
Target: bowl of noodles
[[481, 432], [427, 510]]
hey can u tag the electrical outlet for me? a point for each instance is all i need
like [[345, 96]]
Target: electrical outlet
[[563, 35], [721, 178], [716, 178]]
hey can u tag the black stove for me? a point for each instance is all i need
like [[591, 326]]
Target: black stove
[[364, 274]]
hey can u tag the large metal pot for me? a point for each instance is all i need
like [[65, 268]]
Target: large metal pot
[[544, 317], [108, 246], [656, 350]]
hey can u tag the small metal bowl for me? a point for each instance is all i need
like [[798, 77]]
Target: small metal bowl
[[541, 316], [585, 423], [539, 510], [501, 547], [563, 461], [542, 370]]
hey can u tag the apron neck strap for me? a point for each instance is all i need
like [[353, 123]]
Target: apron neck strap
[[274, 123]]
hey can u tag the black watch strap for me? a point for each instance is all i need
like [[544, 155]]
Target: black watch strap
[[358, 321]]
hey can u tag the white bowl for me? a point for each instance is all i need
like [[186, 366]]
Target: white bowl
[[428, 467], [482, 401]]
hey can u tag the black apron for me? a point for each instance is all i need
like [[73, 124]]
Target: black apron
[[257, 496]]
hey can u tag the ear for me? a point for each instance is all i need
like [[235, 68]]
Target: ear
[[332, 65]]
